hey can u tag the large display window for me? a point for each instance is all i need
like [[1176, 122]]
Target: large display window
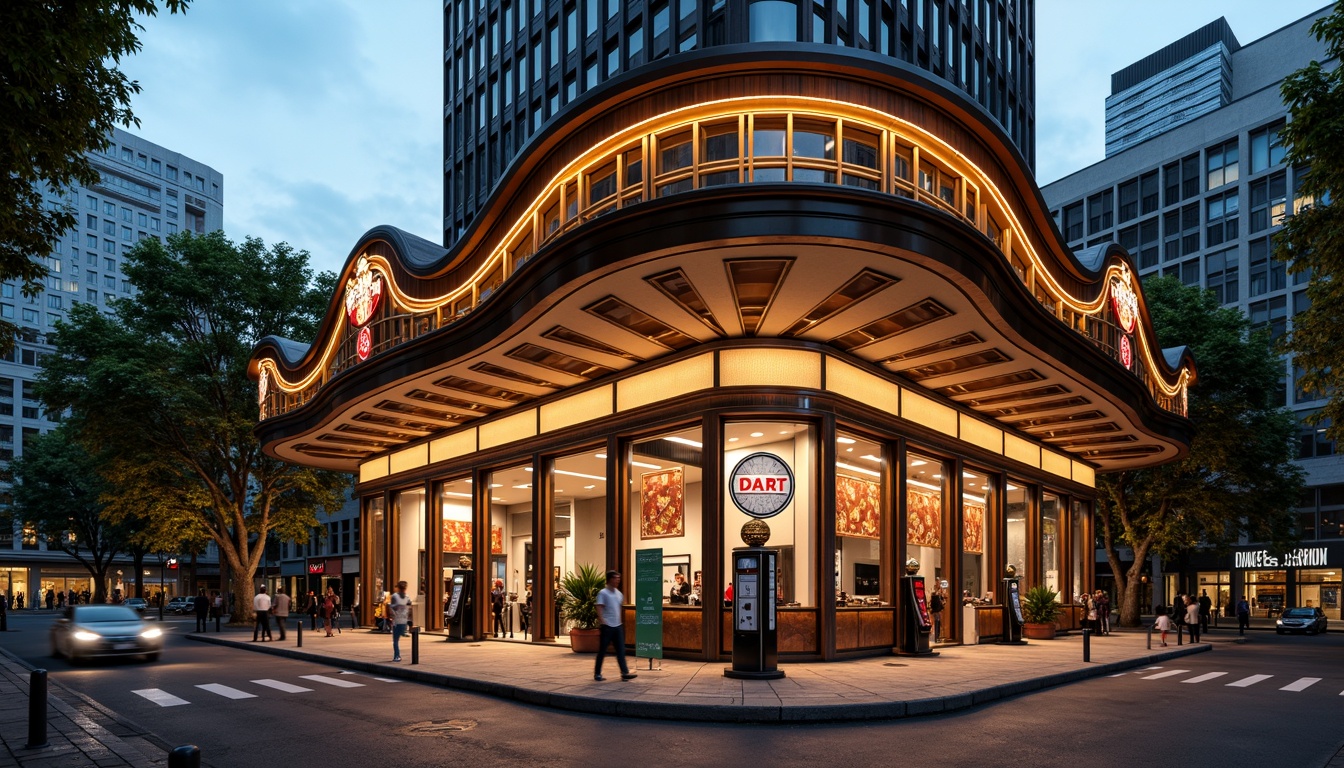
[[408, 511], [458, 526], [1050, 543], [1081, 548], [578, 514], [977, 501], [1319, 588], [791, 531], [1267, 592], [666, 474], [1015, 526], [377, 558], [511, 516], [1218, 586], [860, 494], [925, 494]]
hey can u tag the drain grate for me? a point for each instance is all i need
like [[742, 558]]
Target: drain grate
[[439, 727]]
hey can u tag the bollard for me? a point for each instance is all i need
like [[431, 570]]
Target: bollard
[[1087, 645], [415, 645], [187, 756], [1180, 635], [217, 621], [298, 632], [37, 709], [4, 617]]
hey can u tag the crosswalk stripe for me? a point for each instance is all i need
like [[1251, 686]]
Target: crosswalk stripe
[[336, 681], [387, 680], [1301, 685], [1168, 673], [161, 697], [1247, 682], [285, 687], [226, 691], [1204, 677]]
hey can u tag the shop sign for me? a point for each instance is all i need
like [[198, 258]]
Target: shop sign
[[362, 293], [1302, 557], [364, 343], [1124, 300], [317, 569], [649, 603], [761, 485], [1126, 351]]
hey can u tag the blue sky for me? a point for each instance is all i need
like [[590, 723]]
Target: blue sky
[[325, 115]]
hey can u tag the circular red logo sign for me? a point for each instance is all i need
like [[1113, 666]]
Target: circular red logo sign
[[1126, 352], [364, 343], [761, 485]]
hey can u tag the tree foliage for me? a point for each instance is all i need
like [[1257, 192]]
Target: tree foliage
[[1312, 240], [161, 386], [61, 94], [1239, 476], [59, 492]]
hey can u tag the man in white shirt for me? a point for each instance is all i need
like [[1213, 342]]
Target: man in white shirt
[[611, 626], [280, 609], [261, 604], [399, 605]]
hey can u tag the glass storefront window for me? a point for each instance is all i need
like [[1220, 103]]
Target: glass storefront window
[[1266, 591], [408, 510], [1319, 588], [666, 481], [859, 495], [924, 494], [1019, 506], [1081, 549], [1050, 541], [977, 498], [1217, 585], [377, 558], [511, 515], [790, 530], [456, 512], [579, 514], [13, 582]]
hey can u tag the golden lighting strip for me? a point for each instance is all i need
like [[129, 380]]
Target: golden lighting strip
[[683, 117]]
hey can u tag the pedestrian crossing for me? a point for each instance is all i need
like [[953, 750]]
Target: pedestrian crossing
[[346, 680], [1161, 673]]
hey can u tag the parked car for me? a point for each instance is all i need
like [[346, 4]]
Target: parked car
[[180, 604], [91, 631], [1309, 620], [138, 604]]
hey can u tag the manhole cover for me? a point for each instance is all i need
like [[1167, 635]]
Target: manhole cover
[[439, 727], [895, 664]]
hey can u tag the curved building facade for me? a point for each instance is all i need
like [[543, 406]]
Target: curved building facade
[[822, 254]]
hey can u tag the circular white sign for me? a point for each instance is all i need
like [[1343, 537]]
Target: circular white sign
[[761, 485]]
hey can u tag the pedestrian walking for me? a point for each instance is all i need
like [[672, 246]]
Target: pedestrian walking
[[201, 604], [399, 605], [217, 607], [280, 609], [1205, 610], [51, 598], [611, 627], [1163, 624], [1192, 617], [936, 604], [1104, 611], [1243, 616], [497, 606], [261, 604], [328, 610], [311, 608]]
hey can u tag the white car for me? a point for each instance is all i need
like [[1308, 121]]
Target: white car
[[92, 631]]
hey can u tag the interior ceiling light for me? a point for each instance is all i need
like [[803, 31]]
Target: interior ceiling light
[[929, 486], [732, 439], [973, 498], [496, 485], [459, 495], [589, 487], [758, 434], [918, 462], [785, 432], [527, 469], [852, 468], [523, 487], [968, 474], [846, 440], [684, 441], [579, 474], [646, 466], [1012, 487], [871, 457]]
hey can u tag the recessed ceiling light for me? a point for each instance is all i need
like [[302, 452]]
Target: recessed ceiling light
[[527, 469], [871, 457], [785, 432], [918, 462], [459, 495], [600, 455], [1012, 487], [496, 498], [589, 487], [758, 434], [732, 439], [684, 441], [968, 474], [929, 486], [849, 450], [496, 485], [940, 477], [578, 474], [559, 490], [846, 440]]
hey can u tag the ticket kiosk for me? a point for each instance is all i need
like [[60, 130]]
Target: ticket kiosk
[[1012, 619], [755, 633], [458, 613], [916, 623]]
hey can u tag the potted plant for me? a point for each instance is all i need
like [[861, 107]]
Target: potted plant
[[578, 606], [1040, 609]]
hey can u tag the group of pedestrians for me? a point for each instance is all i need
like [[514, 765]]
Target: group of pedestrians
[[1191, 614], [1098, 607]]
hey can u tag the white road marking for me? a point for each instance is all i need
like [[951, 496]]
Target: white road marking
[[1168, 673], [386, 680], [1301, 685], [336, 681], [226, 691], [1247, 682], [286, 687], [161, 697], [1204, 677]]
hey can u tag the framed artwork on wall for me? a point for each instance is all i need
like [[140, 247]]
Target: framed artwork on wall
[[662, 511]]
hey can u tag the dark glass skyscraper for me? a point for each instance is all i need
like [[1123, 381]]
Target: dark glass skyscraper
[[511, 65]]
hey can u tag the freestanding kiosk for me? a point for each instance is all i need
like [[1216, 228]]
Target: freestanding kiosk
[[916, 624], [755, 636], [458, 613], [1012, 620]]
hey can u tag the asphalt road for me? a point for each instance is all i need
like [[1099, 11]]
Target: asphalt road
[[1274, 701]]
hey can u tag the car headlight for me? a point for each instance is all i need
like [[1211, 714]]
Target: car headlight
[[151, 632], [81, 634]]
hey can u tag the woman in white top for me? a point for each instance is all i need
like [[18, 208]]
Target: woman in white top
[[1192, 618]]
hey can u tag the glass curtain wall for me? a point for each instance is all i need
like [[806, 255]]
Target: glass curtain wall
[[511, 515], [859, 494], [977, 500], [791, 531], [1051, 543], [1019, 506], [925, 487], [456, 512], [1218, 586], [579, 514], [409, 512], [666, 474]]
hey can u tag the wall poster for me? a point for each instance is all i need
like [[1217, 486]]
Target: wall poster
[[457, 537], [924, 518], [973, 529], [858, 507], [662, 510]]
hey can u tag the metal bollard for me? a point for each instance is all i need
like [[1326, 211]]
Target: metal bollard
[[187, 756], [37, 709], [216, 622], [1180, 639], [4, 617], [1087, 645], [415, 645], [299, 632]]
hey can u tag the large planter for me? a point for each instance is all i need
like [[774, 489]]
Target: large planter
[[585, 640], [1033, 631]]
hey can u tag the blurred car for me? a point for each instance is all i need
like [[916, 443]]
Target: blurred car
[[1309, 620], [93, 631], [138, 604], [180, 604]]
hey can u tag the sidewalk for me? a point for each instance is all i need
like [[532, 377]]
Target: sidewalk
[[877, 688], [80, 732]]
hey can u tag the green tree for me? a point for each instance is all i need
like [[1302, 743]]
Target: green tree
[[162, 386], [1239, 476], [1312, 240], [59, 492], [61, 95]]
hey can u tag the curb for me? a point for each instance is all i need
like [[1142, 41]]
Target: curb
[[667, 710]]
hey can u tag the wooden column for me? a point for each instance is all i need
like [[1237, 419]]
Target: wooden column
[[711, 536]]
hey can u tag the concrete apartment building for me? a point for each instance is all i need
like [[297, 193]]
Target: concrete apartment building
[[1194, 185]]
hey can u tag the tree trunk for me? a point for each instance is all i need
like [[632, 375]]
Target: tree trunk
[[1130, 610]]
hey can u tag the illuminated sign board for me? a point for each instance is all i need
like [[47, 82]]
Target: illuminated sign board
[[761, 485], [1302, 557]]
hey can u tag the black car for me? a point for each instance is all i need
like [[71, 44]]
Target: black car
[[1309, 620]]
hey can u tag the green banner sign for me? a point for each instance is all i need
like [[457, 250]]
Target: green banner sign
[[649, 603]]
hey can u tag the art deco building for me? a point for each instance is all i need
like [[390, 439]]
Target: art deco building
[[818, 252]]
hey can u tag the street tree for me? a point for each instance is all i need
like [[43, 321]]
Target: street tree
[[61, 94], [1312, 239], [59, 492], [162, 383], [1239, 476]]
